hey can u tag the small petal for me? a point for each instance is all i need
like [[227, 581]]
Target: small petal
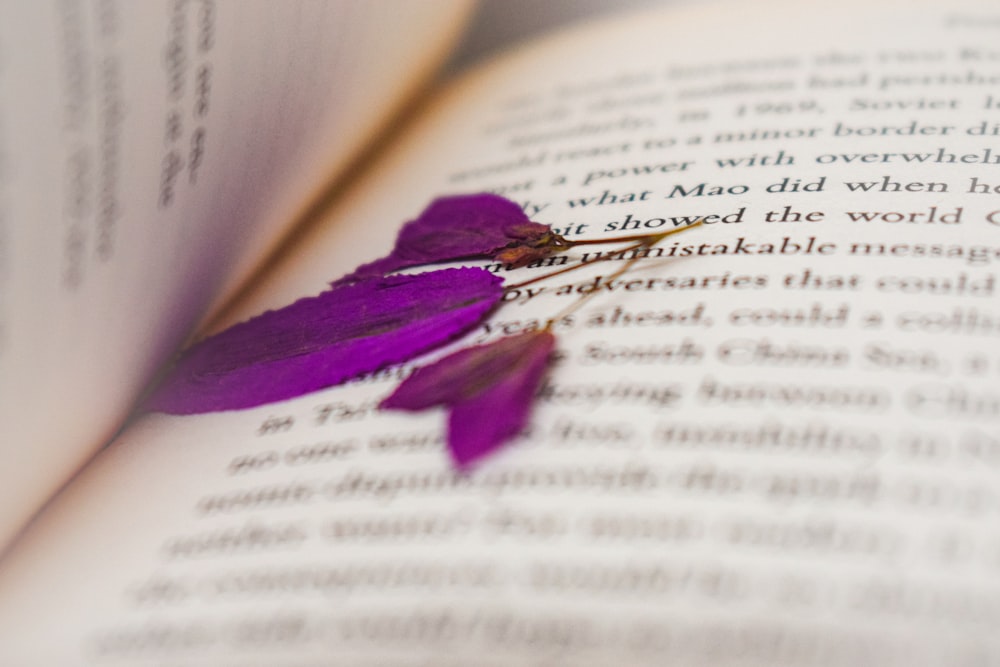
[[489, 388], [460, 227], [327, 339]]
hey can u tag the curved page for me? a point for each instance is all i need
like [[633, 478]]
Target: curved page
[[150, 154], [772, 443]]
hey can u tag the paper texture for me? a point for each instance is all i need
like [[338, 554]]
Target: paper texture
[[151, 154], [775, 444]]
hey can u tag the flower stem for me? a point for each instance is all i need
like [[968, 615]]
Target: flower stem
[[653, 239], [642, 241], [648, 243]]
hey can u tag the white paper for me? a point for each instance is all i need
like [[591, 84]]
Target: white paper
[[743, 458], [152, 154]]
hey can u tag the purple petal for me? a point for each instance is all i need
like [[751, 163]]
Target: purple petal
[[460, 227], [490, 389], [323, 340]]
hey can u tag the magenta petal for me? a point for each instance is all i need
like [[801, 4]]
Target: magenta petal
[[458, 227], [490, 390], [323, 340]]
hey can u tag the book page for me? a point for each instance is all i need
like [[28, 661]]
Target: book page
[[150, 154], [499, 24], [773, 443]]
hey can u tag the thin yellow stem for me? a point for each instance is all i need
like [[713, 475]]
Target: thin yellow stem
[[649, 242], [635, 237], [643, 241], [573, 267]]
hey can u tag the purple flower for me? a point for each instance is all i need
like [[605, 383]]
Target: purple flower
[[461, 227], [369, 321], [489, 390], [327, 339]]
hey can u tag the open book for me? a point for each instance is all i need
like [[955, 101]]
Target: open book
[[774, 441]]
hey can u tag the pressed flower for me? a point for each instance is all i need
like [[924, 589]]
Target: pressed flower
[[327, 339], [489, 390], [368, 321], [465, 226]]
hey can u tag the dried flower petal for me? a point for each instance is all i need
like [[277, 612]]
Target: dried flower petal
[[465, 226], [489, 388], [323, 340]]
